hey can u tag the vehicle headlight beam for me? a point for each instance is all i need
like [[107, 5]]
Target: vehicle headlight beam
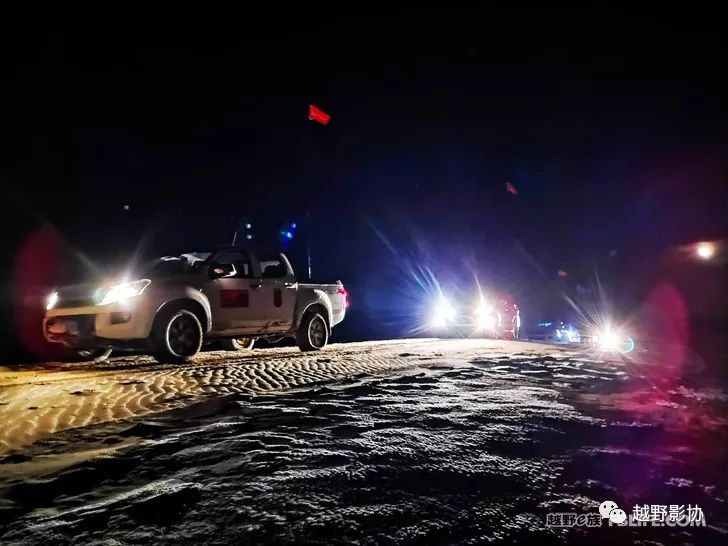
[[51, 300], [123, 291], [443, 313], [609, 340]]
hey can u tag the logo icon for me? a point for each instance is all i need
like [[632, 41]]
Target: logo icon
[[617, 516], [606, 507], [609, 509]]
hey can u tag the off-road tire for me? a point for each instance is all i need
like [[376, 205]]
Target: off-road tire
[[177, 336], [312, 333]]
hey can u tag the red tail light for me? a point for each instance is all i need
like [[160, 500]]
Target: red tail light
[[344, 293]]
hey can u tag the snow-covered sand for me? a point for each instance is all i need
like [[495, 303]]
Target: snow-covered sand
[[412, 441]]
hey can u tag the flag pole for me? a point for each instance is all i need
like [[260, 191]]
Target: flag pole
[[308, 242]]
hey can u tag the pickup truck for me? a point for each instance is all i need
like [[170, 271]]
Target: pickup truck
[[229, 296]]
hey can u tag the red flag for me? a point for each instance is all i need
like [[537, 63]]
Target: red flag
[[510, 188], [315, 114]]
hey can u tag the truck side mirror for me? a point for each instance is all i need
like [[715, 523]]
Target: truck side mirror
[[218, 271]]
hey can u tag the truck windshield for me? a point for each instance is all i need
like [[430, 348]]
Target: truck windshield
[[172, 266]]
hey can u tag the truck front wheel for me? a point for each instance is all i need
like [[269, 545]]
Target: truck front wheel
[[177, 336], [312, 334]]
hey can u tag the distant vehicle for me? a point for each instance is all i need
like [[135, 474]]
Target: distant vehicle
[[553, 331], [230, 295], [495, 316]]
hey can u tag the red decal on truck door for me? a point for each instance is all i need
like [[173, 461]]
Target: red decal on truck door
[[234, 298]]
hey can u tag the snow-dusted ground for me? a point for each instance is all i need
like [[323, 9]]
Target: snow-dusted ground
[[412, 441]]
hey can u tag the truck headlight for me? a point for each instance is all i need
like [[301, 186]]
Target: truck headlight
[[51, 300], [443, 313], [482, 309], [485, 317], [486, 322], [609, 340], [124, 291]]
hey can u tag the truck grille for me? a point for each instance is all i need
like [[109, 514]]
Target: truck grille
[[79, 295], [65, 302]]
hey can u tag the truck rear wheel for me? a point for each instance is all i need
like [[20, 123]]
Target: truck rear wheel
[[312, 334], [237, 343], [177, 336]]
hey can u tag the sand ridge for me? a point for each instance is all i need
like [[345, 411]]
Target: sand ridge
[[44, 400]]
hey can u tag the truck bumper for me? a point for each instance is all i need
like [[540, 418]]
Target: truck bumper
[[119, 326]]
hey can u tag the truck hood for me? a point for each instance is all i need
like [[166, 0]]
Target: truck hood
[[78, 295]]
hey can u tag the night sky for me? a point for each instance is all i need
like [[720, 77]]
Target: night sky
[[612, 127]]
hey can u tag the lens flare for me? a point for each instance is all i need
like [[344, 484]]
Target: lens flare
[[705, 251], [485, 318], [482, 308], [486, 322], [443, 313], [609, 340]]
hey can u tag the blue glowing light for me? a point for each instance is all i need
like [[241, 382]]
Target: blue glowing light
[[289, 235], [293, 225], [574, 336]]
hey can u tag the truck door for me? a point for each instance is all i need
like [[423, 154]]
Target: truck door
[[234, 293], [278, 292]]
